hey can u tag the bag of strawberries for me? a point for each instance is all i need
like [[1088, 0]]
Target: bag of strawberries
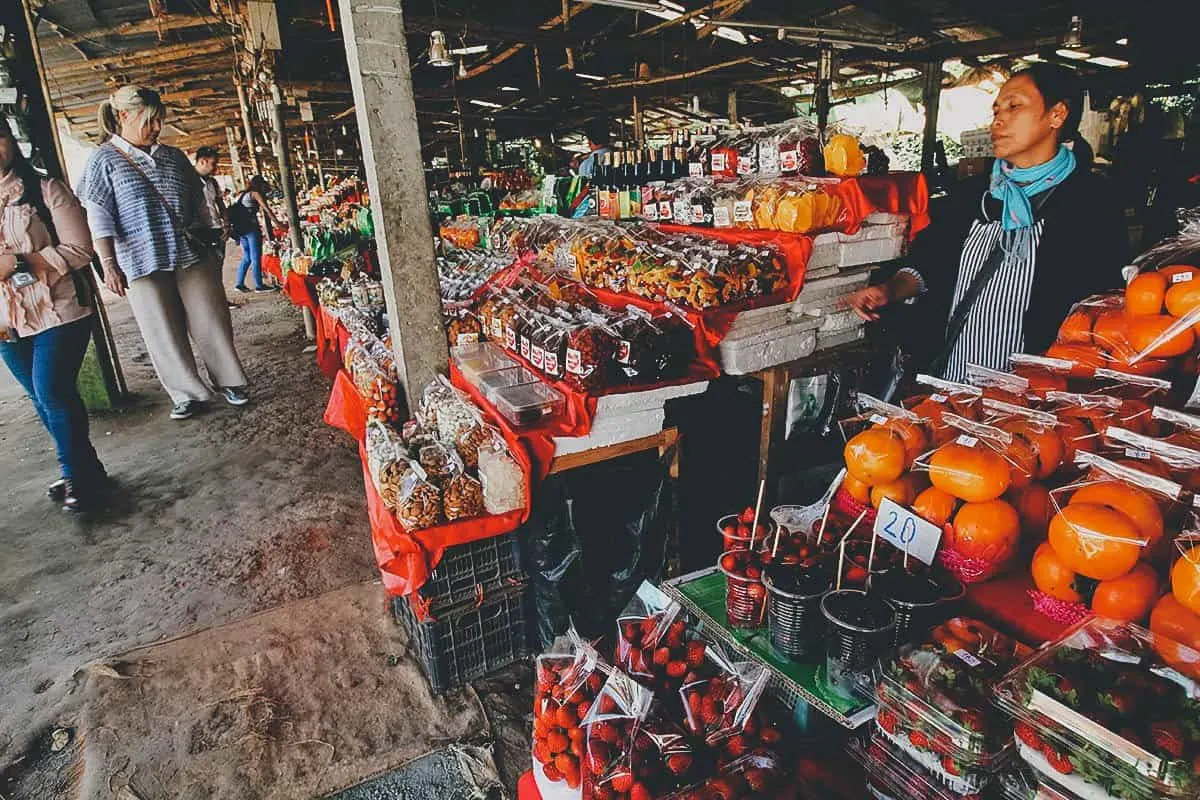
[[566, 686], [721, 702], [652, 643], [753, 775]]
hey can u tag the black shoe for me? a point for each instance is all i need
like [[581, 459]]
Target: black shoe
[[185, 409], [75, 500], [241, 289], [57, 490], [262, 289]]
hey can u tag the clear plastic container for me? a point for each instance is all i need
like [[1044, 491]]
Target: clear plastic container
[[891, 774], [935, 702], [476, 359], [528, 404], [491, 382], [1110, 710]]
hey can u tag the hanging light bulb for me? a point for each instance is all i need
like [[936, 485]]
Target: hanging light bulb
[[825, 64], [439, 55], [462, 69]]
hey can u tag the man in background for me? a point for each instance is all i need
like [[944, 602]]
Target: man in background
[[206, 165], [599, 142]]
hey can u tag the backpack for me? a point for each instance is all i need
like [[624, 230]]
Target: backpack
[[241, 220]]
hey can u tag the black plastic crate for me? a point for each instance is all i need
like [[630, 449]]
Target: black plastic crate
[[469, 641], [466, 570]]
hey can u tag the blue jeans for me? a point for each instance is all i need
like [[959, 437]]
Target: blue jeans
[[251, 244], [47, 365]]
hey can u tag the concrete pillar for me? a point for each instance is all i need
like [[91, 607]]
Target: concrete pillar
[[285, 169], [377, 55], [931, 97], [235, 158]]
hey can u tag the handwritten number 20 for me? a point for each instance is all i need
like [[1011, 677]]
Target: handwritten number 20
[[908, 528]]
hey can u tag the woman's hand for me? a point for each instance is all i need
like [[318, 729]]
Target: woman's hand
[[867, 302], [114, 279], [8, 265]]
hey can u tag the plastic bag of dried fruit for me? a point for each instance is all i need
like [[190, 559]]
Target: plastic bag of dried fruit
[[753, 775], [566, 685], [1105, 526], [937, 397], [610, 730], [652, 643], [720, 703]]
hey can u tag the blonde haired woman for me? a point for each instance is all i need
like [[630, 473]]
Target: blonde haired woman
[[145, 206]]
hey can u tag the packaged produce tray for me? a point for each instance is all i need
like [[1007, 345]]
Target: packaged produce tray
[[702, 593]]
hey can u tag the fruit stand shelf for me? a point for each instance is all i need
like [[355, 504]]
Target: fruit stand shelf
[[702, 594]]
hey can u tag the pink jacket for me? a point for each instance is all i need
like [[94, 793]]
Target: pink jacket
[[52, 300]]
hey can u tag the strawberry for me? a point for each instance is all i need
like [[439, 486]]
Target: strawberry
[[770, 736], [661, 656], [737, 746], [1028, 735], [710, 712], [552, 773], [648, 626], [606, 732], [1058, 761], [602, 793], [757, 779], [1168, 737], [629, 632], [695, 653], [676, 669], [541, 752], [565, 763], [950, 767], [557, 742], [679, 763], [675, 633], [919, 739], [598, 756], [747, 516], [582, 709], [940, 744], [572, 777], [639, 792], [607, 705], [886, 719], [566, 717], [621, 782], [595, 683]]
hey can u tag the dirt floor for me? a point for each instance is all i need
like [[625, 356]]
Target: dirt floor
[[218, 517]]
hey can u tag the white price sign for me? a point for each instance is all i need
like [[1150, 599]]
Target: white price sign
[[903, 529]]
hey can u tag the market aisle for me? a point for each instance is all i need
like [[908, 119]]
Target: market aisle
[[224, 515]]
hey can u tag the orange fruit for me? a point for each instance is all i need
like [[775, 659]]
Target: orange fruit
[[1041, 382], [1022, 460], [903, 490], [1087, 358], [1135, 415], [989, 531], [1096, 541], [1183, 298], [1076, 435], [913, 436], [1076, 328], [1146, 331], [1128, 598], [934, 505], [1034, 507], [1146, 366], [1172, 619], [856, 489], [1172, 270], [876, 456], [1135, 502], [975, 474], [1144, 294], [1185, 580], [1111, 332], [1051, 576], [1149, 466]]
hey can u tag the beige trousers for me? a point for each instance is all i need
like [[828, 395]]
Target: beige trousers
[[171, 306]]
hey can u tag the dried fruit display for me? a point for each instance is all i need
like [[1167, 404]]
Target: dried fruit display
[[419, 503], [462, 498]]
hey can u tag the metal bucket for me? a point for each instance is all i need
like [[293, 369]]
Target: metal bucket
[[860, 628], [794, 610], [918, 606]]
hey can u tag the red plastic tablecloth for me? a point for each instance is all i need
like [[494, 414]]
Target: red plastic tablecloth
[[1004, 601], [899, 193], [346, 409], [301, 290], [527, 788], [329, 341], [272, 266]]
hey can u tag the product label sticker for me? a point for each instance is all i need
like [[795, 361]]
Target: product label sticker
[[537, 356], [878, 419], [768, 158], [497, 328], [664, 210], [682, 212], [650, 211], [551, 361], [1140, 455], [8, 96], [788, 161], [1181, 277], [623, 348], [467, 338], [967, 441], [967, 658], [574, 361], [1143, 761], [721, 217], [938, 398], [906, 531], [697, 214], [510, 339], [718, 162], [742, 211], [525, 347], [745, 166], [696, 169]]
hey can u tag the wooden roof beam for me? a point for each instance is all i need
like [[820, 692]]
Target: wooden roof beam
[[143, 58], [173, 22]]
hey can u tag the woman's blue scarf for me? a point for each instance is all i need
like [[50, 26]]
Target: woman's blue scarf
[[1013, 187]]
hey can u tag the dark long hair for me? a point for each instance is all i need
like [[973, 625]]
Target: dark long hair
[[1058, 84], [31, 179]]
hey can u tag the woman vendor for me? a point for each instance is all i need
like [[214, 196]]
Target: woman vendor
[[1013, 251]]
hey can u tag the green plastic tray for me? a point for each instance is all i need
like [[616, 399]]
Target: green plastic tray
[[702, 593]]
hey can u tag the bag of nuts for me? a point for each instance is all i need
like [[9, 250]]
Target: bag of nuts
[[387, 461], [470, 439], [462, 498], [439, 462], [419, 503]]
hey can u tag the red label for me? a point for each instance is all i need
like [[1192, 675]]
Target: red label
[[574, 361], [718, 162], [788, 161], [525, 347], [623, 348], [537, 356], [551, 359], [510, 338], [664, 210]]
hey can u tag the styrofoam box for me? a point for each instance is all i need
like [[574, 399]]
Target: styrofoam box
[[832, 340], [651, 399], [774, 347], [826, 251], [826, 293], [884, 218], [759, 319], [614, 430], [870, 251]]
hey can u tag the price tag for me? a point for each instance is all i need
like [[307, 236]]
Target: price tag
[[878, 419], [967, 658], [721, 217], [650, 212], [967, 441], [695, 169], [718, 162], [1140, 455], [938, 398], [906, 531], [1181, 277], [742, 211]]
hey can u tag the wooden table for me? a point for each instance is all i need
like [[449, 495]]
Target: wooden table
[[776, 381]]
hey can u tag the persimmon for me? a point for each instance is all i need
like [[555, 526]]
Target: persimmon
[[1045, 440], [875, 456], [1144, 294], [1005, 396], [975, 474], [1148, 466], [856, 489], [1034, 507], [1171, 270], [1076, 328], [903, 490], [1145, 334], [988, 531], [1041, 382], [935, 505], [1111, 332], [1183, 298], [1185, 580], [1172, 619], [1128, 598], [1148, 367], [1022, 460], [913, 436], [1096, 541], [1085, 357], [1134, 501], [1051, 576], [1076, 435], [1135, 415]]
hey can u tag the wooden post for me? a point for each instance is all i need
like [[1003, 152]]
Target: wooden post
[[377, 55], [285, 169], [249, 129], [235, 158], [731, 109], [930, 96]]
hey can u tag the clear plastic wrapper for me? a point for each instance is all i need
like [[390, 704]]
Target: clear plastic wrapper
[[1034, 432], [462, 498], [652, 622], [566, 686], [1128, 386], [755, 774], [1179, 462], [844, 156], [1042, 374], [998, 385], [419, 502], [610, 729], [1177, 427], [1084, 418], [720, 704], [1108, 711], [387, 461], [960, 399], [503, 480]]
